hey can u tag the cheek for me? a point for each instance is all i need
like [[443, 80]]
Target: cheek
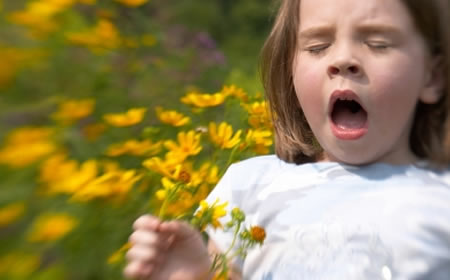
[[308, 86], [398, 88]]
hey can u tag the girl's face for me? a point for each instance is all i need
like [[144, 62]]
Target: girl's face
[[360, 69]]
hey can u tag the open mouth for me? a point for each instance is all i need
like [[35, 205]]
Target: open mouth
[[349, 118]]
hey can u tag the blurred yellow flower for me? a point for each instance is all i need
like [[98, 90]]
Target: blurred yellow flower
[[222, 136], [188, 145], [19, 265], [234, 91], [164, 167], [259, 115], [114, 183], [184, 200], [259, 140], [103, 36], [61, 175], [50, 227], [133, 3], [167, 186], [26, 145], [134, 147], [39, 15], [11, 212], [203, 100], [207, 173], [131, 117], [211, 214], [14, 59], [171, 117], [71, 111], [117, 256]]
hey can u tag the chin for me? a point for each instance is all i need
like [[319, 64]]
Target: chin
[[353, 158]]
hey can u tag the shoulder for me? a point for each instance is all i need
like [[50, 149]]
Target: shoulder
[[257, 164], [263, 170]]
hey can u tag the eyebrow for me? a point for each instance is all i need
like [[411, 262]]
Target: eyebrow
[[319, 31], [378, 29], [324, 31]]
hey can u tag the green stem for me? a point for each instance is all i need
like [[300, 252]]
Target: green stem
[[167, 199], [214, 157], [230, 158], [162, 210], [236, 233]]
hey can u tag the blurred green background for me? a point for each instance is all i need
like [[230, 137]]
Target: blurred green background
[[120, 54], [157, 49]]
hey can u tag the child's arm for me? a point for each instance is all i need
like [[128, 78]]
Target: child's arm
[[167, 251]]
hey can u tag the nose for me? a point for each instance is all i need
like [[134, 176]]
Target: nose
[[341, 69], [344, 63]]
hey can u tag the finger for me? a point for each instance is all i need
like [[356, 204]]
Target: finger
[[180, 229], [137, 270], [142, 254], [148, 222], [150, 239]]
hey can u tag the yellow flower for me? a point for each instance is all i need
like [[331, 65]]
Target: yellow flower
[[14, 59], [26, 145], [185, 200], [234, 91], [114, 183], [222, 136], [260, 140], [167, 187], [211, 214], [203, 100], [11, 212], [188, 145], [133, 3], [117, 256], [134, 147], [206, 174], [101, 37], [73, 110], [164, 167], [171, 117], [66, 176], [51, 227], [131, 117], [19, 265], [259, 115], [39, 15]]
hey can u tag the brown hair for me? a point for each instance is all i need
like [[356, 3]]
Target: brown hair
[[294, 140]]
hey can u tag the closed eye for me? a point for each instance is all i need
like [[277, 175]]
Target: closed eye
[[377, 45], [316, 49]]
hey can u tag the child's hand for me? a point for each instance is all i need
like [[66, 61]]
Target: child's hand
[[166, 251]]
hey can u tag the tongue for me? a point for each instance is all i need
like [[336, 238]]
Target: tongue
[[345, 119]]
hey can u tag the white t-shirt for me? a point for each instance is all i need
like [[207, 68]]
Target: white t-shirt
[[334, 221]]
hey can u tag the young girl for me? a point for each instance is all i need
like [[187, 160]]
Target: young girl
[[359, 91]]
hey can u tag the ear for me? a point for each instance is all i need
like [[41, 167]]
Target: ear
[[435, 83]]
